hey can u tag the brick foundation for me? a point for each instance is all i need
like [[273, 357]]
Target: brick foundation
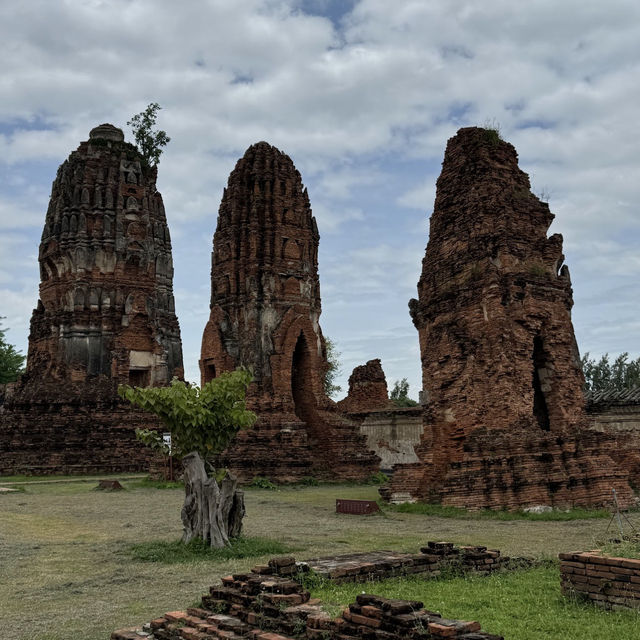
[[612, 583], [267, 604]]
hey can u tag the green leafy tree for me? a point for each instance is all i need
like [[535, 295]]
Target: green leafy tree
[[202, 422], [603, 375], [11, 361], [149, 142], [400, 394], [334, 370]]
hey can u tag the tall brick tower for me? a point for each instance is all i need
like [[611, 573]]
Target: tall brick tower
[[105, 316], [106, 303], [502, 383], [265, 310]]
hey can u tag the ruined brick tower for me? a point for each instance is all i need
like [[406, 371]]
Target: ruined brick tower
[[265, 310], [106, 293], [502, 383], [105, 315]]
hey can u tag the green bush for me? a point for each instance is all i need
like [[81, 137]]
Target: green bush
[[377, 478], [148, 483], [259, 482]]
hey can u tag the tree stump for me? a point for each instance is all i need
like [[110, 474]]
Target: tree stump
[[211, 511]]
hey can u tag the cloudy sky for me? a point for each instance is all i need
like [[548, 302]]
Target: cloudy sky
[[363, 95]]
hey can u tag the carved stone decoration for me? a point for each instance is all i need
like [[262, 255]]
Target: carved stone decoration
[[84, 338], [265, 310], [504, 413]]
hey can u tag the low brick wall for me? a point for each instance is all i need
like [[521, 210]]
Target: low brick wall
[[263, 605], [432, 559], [613, 583]]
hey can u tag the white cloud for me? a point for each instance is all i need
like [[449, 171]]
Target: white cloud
[[349, 98]]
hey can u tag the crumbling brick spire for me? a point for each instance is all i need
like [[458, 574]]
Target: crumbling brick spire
[[501, 373], [265, 311], [106, 304], [105, 316], [265, 291]]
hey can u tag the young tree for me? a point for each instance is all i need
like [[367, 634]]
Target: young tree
[[603, 375], [400, 394], [333, 358], [202, 422], [149, 142], [11, 361]]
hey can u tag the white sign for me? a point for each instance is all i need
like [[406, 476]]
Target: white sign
[[166, 439]]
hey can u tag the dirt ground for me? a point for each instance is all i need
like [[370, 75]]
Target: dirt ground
[[65, 569]]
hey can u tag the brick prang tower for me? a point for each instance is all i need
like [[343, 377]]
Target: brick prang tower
[[265, 310], [502, 383], [106, 304], [105, 316]]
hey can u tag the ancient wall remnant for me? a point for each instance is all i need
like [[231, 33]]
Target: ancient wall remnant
[[504, 415], [367, 389], [617, 414], [265, 310], [391, 433], [105, 316], [608, 582]]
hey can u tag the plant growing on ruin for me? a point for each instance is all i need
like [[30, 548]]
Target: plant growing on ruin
[[492, 131], [149, 142], [603, 375], [11, 361], [202, 422], [333, 371], [400, 394]]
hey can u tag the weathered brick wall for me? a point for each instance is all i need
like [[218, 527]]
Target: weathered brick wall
[[617, 414], [613, 583], [391, 433], [52, 429]]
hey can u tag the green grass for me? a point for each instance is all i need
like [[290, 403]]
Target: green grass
[[67, 568], [520, 605], [197, 550], [486, 514], [625, 549], [148, 483]]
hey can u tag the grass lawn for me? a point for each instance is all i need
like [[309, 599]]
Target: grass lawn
[[67, 568], [520, 605]]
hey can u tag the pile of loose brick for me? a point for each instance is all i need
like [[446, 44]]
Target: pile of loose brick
[[432, 559], [612, 583], [267, 604]]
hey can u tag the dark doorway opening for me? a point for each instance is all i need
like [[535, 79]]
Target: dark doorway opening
[[301, 377], [209, 372], [139, 377], [540, 409]]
